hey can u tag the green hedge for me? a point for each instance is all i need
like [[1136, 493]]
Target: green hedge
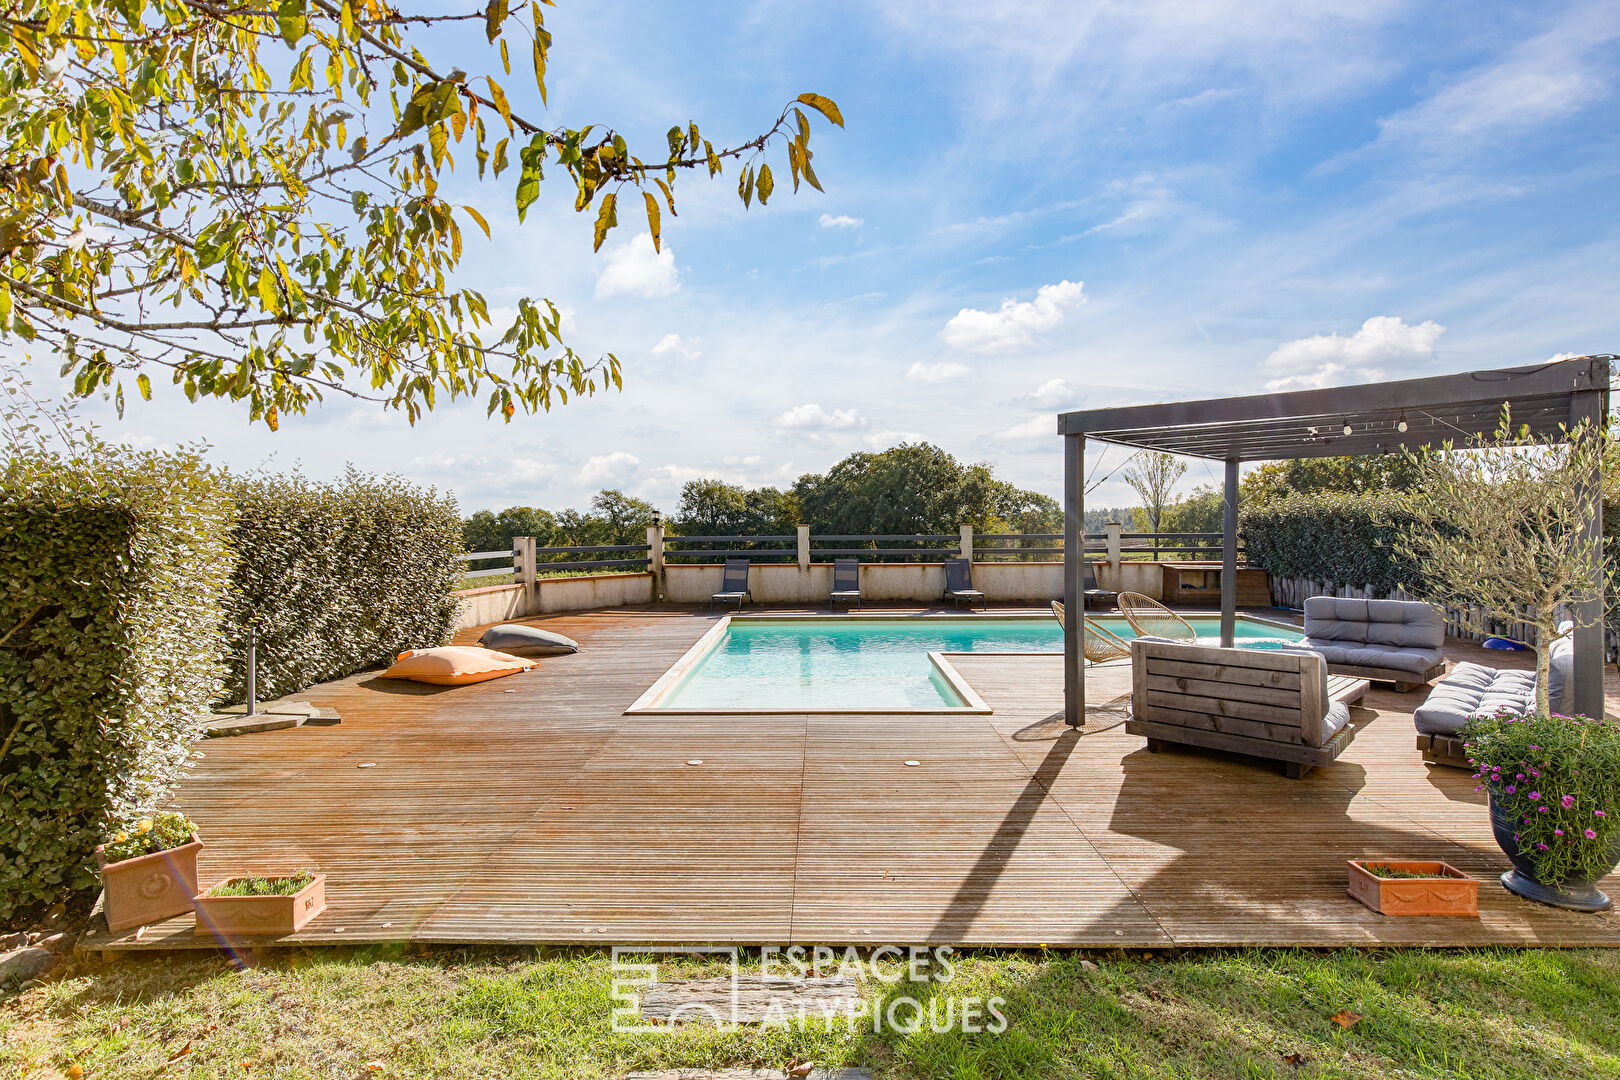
[[113, 568], [1336, 538], [338, 577]]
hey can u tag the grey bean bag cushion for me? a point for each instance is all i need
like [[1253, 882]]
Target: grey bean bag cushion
[[527, 641]]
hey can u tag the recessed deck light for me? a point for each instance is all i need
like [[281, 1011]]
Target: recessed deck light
[[695, 761]]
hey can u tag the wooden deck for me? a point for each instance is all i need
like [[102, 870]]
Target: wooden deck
[[530, 809]]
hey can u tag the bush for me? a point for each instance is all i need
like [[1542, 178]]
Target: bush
[[113, 568], [1335, 538], [338, 577]]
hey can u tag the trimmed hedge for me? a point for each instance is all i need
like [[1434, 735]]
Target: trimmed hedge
[[113, 569], [1335, 538], [338, 577]]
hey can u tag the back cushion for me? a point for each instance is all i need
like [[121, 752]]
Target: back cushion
[[1399, 623], [1561, 670]]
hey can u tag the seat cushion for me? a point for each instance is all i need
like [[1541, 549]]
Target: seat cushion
[[1474, 690], [1402, 624], [1415, 661], [1338, 715], [455, 665], [522, 640]]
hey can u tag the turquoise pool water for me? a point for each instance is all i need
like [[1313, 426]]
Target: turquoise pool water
[[826, 664]]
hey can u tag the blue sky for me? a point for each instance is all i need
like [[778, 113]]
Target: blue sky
[[1034, 207]]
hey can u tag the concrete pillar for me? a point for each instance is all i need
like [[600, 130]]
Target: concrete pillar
[[804, 549], [523, 572], [967, 542], [655, 558], [1074, 597], [1114, 528]]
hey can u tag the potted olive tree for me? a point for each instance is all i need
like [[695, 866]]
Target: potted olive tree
[[149, 870], [1500, 531]]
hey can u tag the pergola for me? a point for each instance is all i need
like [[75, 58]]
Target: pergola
[[1378, 418]]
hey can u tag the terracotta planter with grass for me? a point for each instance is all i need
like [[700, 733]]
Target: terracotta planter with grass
[[235, 916], [1443, 890], [149, 888]]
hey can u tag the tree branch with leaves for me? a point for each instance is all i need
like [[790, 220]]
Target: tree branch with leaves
[[246, 197]]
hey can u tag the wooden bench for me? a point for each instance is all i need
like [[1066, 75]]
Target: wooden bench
[[1445, 750], [1262, 703]]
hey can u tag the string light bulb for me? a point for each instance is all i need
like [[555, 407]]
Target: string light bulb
[[1400, 425], [1347, 428]]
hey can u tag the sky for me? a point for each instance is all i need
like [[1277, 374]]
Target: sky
[[1034, 207]]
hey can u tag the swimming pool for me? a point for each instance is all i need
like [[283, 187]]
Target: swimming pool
[[873, 663]]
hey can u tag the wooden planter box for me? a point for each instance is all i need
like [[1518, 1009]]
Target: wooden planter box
[[233, 916], [149, 888], [1449, 892]]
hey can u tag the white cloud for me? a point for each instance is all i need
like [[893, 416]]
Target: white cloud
[[1038, 427], [812, 417], [635, 269], [675, 345], [1326, 358], [940, 372], [842, 221], [882, 440], [1015, 323], [1542, 80], [528, 470], [616, 467], [1051, 394]]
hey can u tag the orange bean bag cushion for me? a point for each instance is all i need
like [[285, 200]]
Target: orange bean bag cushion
[[456, 665]]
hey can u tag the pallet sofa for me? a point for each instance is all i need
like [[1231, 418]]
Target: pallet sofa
[[1386, 641], [1281, 705], [1473, 690]]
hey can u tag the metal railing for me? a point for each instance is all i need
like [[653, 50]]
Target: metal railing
[[485, 556], [696, 550], [556, 558]]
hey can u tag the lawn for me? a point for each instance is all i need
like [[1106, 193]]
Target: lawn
[[482, 1013]]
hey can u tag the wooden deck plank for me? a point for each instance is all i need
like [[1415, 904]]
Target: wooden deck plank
[[544, 814]]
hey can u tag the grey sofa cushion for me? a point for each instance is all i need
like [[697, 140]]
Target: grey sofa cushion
[[1338, 715], [1474, 690], [1401, 624], [1561, 671], [527, 641], [1416, 661]]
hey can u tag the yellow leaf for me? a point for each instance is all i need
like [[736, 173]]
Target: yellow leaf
[[145, 386], [476, 216], [606, 218], [498, 96], [765, 184], [824, 106], [653, 220]]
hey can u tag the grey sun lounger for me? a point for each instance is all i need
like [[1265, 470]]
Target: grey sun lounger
[[959, 583], [1096, 597], [734, 584], [846, 581]]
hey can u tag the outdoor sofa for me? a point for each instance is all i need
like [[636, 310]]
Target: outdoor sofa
[[1475, 690], [1280, 704], [1391, 641]]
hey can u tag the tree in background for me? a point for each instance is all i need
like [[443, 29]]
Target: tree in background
[[1204, 511], [911, 488], [489, 531], [614, 518], [716, 508], [1153, 477], [1307, 476], [269, 228], [1499, 532]]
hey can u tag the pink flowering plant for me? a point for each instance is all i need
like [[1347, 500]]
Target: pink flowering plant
[[1557, 778]]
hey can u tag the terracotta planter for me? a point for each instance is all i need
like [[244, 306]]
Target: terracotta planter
[[233, 916], [1576, 894], [1448, 892], [149, 888]]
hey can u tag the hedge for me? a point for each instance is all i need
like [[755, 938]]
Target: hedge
[[1335, 538], [338, 577], [113, 569]]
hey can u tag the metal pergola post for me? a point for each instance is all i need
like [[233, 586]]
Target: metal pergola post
[[1074, 594], [1587, 407], [1229, 556]]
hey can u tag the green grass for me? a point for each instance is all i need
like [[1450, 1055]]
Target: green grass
[[482, 1013]]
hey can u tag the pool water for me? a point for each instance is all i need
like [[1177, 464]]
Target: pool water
[[835, 664]]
